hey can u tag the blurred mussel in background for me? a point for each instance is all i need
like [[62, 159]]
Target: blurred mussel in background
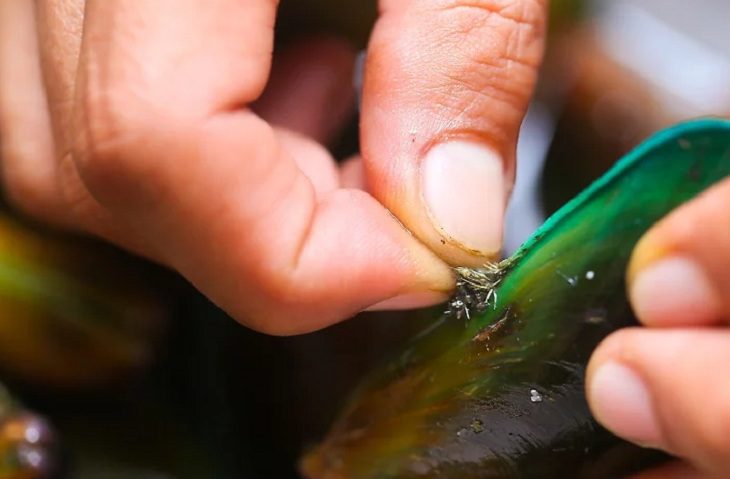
[[78, 319], [73, 314], [28, 445]]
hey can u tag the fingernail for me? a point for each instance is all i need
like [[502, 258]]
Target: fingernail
[[621, 402], [409, 301], [464, 190], [673, 287]]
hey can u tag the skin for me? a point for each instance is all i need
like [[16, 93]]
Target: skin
[[171, 128], [162, 127]]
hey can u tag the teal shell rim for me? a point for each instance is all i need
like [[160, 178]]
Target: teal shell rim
[[621, 167]]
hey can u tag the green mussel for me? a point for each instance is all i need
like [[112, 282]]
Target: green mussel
[[500, 393], [28, 444], [74, 314]]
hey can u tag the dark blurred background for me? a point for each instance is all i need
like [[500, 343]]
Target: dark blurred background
[[132, 374]]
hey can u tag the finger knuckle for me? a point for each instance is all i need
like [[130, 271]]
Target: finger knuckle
[[27, 190], [505, 67], [27, 198], [488, 54], [108, 132], [530, 13], [117, 129], [501, 34]]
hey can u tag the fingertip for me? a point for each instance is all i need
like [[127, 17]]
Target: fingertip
[[612, 346], [355, 256], [668, 289], [648, 250], [621, 401], [660, 388], [617, 392]]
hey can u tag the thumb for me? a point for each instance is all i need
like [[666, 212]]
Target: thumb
[[447, 84]]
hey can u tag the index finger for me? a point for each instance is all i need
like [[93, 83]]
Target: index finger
[[168, 146]]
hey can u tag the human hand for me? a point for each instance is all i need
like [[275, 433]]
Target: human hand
[[156, 124], [667, 386]]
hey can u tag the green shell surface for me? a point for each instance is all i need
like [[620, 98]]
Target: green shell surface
[[503, 395]]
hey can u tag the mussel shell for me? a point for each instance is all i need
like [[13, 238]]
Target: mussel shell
[[502, 396]]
